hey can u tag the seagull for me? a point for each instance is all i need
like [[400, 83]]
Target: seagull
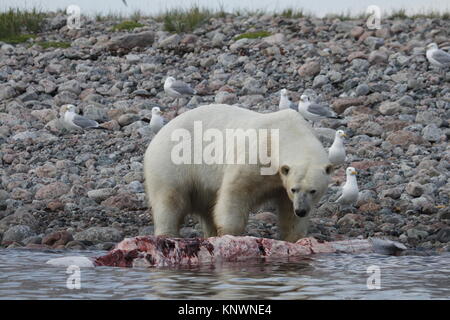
[[177, 89], [157, 121], [336, 153], [437, 57], [314, 111], [75, 121], [350, 190], [285, 103]]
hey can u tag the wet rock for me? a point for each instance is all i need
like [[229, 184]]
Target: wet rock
[[57, 238], [75, 245], [443, 235], [19, 217], [17, 233]]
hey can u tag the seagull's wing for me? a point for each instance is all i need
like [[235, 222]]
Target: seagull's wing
[[441, 56], [84, 122], [182, 88], [321, 110]]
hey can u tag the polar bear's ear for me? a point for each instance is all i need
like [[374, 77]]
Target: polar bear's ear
[[329, 169], [284, 170]]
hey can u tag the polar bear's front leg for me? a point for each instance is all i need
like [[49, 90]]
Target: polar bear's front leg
[[231, 212], [169, 209], [291, 226]]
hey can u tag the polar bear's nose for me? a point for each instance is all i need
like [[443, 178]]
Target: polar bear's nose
[[300, 212]]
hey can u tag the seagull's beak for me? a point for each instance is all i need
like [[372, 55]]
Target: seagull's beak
[[344, 135], [354, 173]]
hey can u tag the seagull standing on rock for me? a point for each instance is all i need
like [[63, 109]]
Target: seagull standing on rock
[[75, 121], [336, 153], [177, 89], [350, 191], [313, 111], [157, 121], [437, 57]]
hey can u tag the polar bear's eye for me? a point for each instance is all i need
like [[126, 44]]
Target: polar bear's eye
[[285, 170], [312, 191], [294, 190]]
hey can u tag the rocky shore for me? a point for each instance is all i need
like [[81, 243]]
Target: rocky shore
[[78, 190]]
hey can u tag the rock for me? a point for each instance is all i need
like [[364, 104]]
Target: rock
[[130, 41], [240, 44], [374, 42], [32, 240], [147, 231], [57, 238], [17, 233], [414, 189], [99, 195], [393, 193], [218, 39], [378, 57], [320, 81], [52, 191], [341, 104], [75, 245], [362, 89], [33, 137], [356, 32], [309, 69], [389, 108], [349, 219], [276, 38], [189, 232], [431, 133], [428, 117], [403, 138], [44, 115], [95, 113], [20, 217], [122, 201], [225, 98], [266, 217], [7, 92], [72, 86], [443, 235], [171, 42], [99, 234], [417, 234]]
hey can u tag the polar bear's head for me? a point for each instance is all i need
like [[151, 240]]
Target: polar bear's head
[[305, 185]]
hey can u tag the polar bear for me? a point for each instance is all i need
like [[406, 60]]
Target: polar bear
[[187, 172]]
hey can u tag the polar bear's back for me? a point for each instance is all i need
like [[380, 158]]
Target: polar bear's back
[[294, 132]]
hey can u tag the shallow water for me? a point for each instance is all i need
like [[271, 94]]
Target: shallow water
[[24, 275]]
